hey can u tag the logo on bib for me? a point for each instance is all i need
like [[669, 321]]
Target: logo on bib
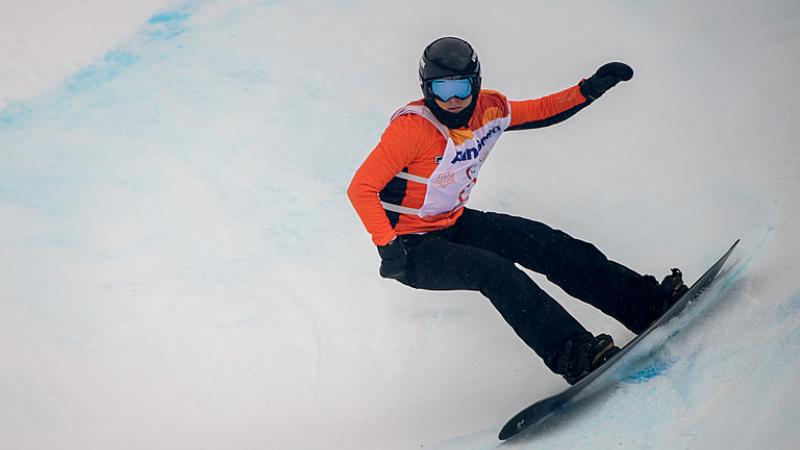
[[445, 179], [473, 152]]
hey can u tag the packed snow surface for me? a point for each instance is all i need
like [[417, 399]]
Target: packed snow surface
[[181, 268]]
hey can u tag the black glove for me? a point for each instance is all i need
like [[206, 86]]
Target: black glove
[[393, 259], [606, 77]]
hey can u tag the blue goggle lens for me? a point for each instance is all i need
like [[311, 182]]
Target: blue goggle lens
[[444, 90]]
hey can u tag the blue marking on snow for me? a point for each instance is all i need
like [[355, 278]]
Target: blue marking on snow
[[170, 16], [14, 114], [111, 66], [649, 372], [168, 25]]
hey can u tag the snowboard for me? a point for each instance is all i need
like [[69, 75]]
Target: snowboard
[[596, 381]]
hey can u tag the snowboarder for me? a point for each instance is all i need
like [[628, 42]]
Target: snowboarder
[[411, 193]]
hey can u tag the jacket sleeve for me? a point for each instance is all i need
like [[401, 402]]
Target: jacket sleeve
[[548, 110], [398, 146]]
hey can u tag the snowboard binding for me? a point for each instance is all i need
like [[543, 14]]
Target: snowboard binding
[[582, 354]]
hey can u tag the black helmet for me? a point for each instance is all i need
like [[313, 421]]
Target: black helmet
[[444, 58], [447, 57]]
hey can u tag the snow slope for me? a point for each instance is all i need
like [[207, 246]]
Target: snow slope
[[181, 268]]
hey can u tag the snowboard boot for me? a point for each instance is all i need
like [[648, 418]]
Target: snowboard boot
[[582, 354], [669, 291]]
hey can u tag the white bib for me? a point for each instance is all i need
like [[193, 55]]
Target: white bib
[[449, 186]]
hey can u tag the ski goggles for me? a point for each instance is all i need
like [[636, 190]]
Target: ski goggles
[[446, 89]]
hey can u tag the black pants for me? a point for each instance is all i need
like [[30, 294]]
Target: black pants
[[479, 253]]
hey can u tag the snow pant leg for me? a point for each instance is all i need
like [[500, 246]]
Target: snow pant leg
[[435, 263], [576, 266]]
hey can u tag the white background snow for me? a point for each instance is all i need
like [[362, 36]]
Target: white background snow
[[180, 267]]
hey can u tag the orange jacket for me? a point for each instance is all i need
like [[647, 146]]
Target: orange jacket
[[404, 186]]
